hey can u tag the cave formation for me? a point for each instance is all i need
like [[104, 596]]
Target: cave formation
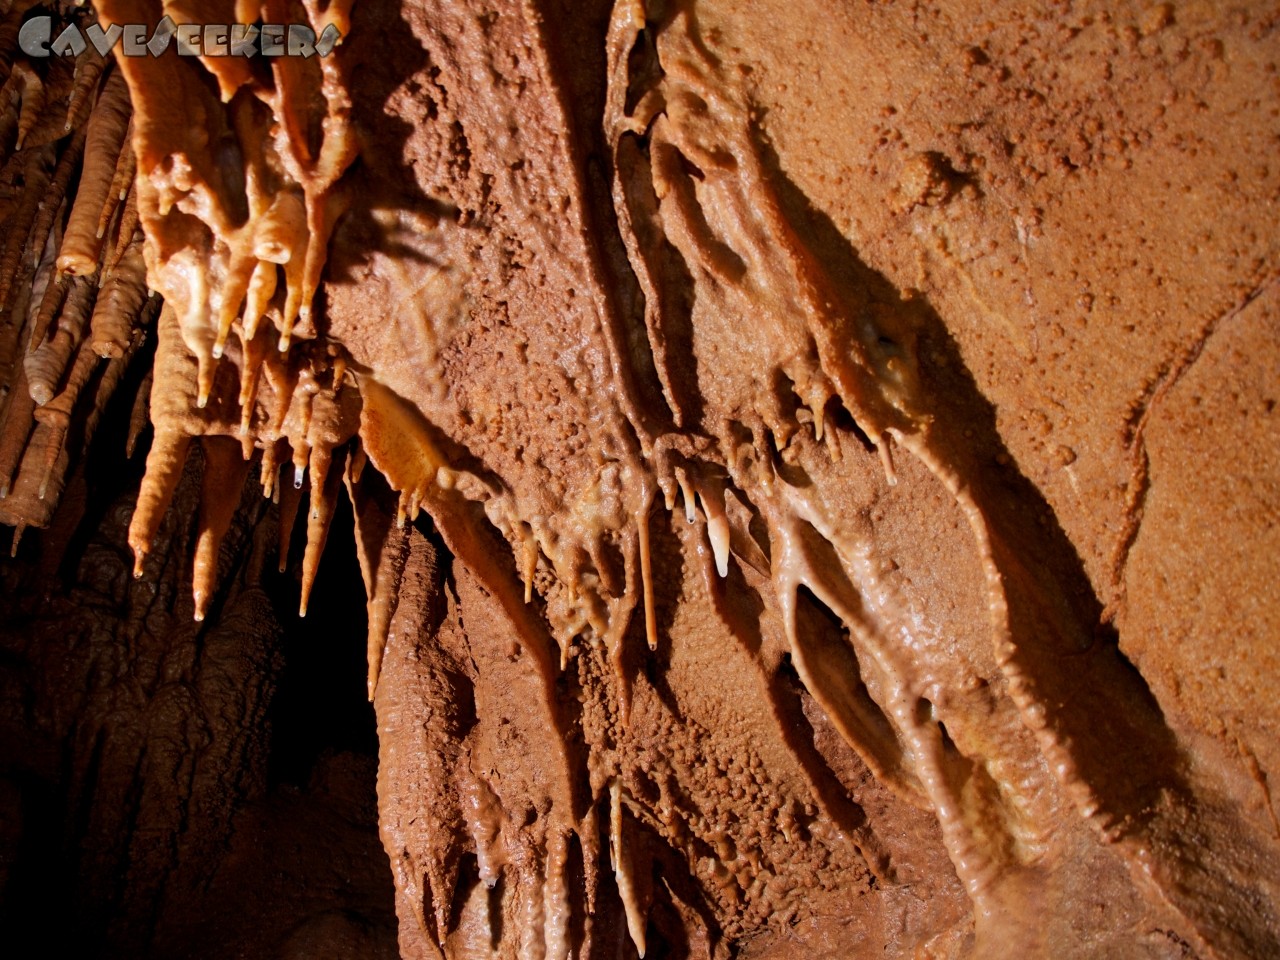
[[779, 480]]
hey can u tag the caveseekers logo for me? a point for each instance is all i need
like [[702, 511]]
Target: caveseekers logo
[[192, 39]]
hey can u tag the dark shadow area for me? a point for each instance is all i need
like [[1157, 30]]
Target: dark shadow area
[[321, 704], [576, 49], [1094, 697], [386, 56], [785, 689], [45, 796], [160, 796]]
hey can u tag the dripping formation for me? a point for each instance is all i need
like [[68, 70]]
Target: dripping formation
[[258, 254], [73, 286]]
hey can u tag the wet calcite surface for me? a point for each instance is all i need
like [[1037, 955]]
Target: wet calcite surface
[[812, 466]]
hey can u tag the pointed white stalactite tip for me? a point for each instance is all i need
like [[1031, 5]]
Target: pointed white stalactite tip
[[298, 474], [885, 449], [282, 345], [718, 534], [302, 609], [202, 400], [218, 348]]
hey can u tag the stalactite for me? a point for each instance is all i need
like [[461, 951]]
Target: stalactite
[[34, 99], [37, 172], [89, 68], [165, 461], [290, 500], [382, 549], [121, 181], [104, 140], [10, 104], [120, 302], [56, 414], [23, 312], [51, 206], [325, 486], [224, 475], [51, 304], [47, 362], [126, 231], [232, 218], [139, 416], [282, 240], [15, 429]]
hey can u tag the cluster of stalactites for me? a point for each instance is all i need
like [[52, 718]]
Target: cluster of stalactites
[[76, 279], [239, 195], [87, 240], [237, 198], [111, 194], [74, 301], [302, 420]]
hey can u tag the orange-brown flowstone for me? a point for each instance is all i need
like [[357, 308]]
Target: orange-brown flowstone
[[814, 464]]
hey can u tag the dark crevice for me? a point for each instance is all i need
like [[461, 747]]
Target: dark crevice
[[786, 690], [321, 703]]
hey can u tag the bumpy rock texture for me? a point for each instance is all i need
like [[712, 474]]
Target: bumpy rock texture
[[813, 465]]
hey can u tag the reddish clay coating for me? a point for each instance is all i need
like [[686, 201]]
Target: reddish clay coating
[[847, 433]]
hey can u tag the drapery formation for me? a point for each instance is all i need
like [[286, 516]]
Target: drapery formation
[[705, 598]]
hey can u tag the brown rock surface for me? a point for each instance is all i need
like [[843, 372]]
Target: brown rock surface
[[946, 335]]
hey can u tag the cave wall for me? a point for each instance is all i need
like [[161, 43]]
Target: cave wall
[[810, 471]]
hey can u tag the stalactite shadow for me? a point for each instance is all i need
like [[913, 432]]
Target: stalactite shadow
[[385, 51], [1095, 698]]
